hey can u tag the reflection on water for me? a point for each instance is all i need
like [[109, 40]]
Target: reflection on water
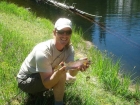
[[122, 37], [121, 19], [123, 6]]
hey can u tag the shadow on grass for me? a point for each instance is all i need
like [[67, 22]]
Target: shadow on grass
[[49, 100], [39, 100]]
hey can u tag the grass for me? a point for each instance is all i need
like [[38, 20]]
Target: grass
[[21, 30]]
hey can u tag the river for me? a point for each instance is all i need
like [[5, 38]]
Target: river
[[121, 18]]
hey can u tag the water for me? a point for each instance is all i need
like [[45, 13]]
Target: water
[[122, 37], [121, 19]]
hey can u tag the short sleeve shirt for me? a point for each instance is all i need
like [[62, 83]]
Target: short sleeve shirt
[[44, 58]]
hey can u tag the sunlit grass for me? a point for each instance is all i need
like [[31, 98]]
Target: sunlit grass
[[102, 84]]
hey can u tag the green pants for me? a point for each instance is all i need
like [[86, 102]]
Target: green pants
[[31, 84]]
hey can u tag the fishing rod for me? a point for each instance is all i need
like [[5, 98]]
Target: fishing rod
[[90, 17]]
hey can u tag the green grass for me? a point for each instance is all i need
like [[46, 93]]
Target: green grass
[[21, 30]]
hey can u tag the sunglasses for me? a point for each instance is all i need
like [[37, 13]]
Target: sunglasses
[[61, 32]]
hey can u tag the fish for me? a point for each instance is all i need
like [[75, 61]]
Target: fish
[[73, 65]]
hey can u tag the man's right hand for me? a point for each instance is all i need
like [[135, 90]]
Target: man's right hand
[[60, 67]]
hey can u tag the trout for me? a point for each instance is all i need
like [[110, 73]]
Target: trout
[[74, 64]]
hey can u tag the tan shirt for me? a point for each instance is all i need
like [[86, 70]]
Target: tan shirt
[[44, 58]]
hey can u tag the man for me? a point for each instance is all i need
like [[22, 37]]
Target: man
[[38, 72]]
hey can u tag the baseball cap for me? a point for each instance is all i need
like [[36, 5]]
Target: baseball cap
[[63, 23]]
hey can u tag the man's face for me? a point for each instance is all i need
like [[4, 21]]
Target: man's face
[[63, 36]]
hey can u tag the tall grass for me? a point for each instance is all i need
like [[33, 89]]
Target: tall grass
[[101, 84]]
